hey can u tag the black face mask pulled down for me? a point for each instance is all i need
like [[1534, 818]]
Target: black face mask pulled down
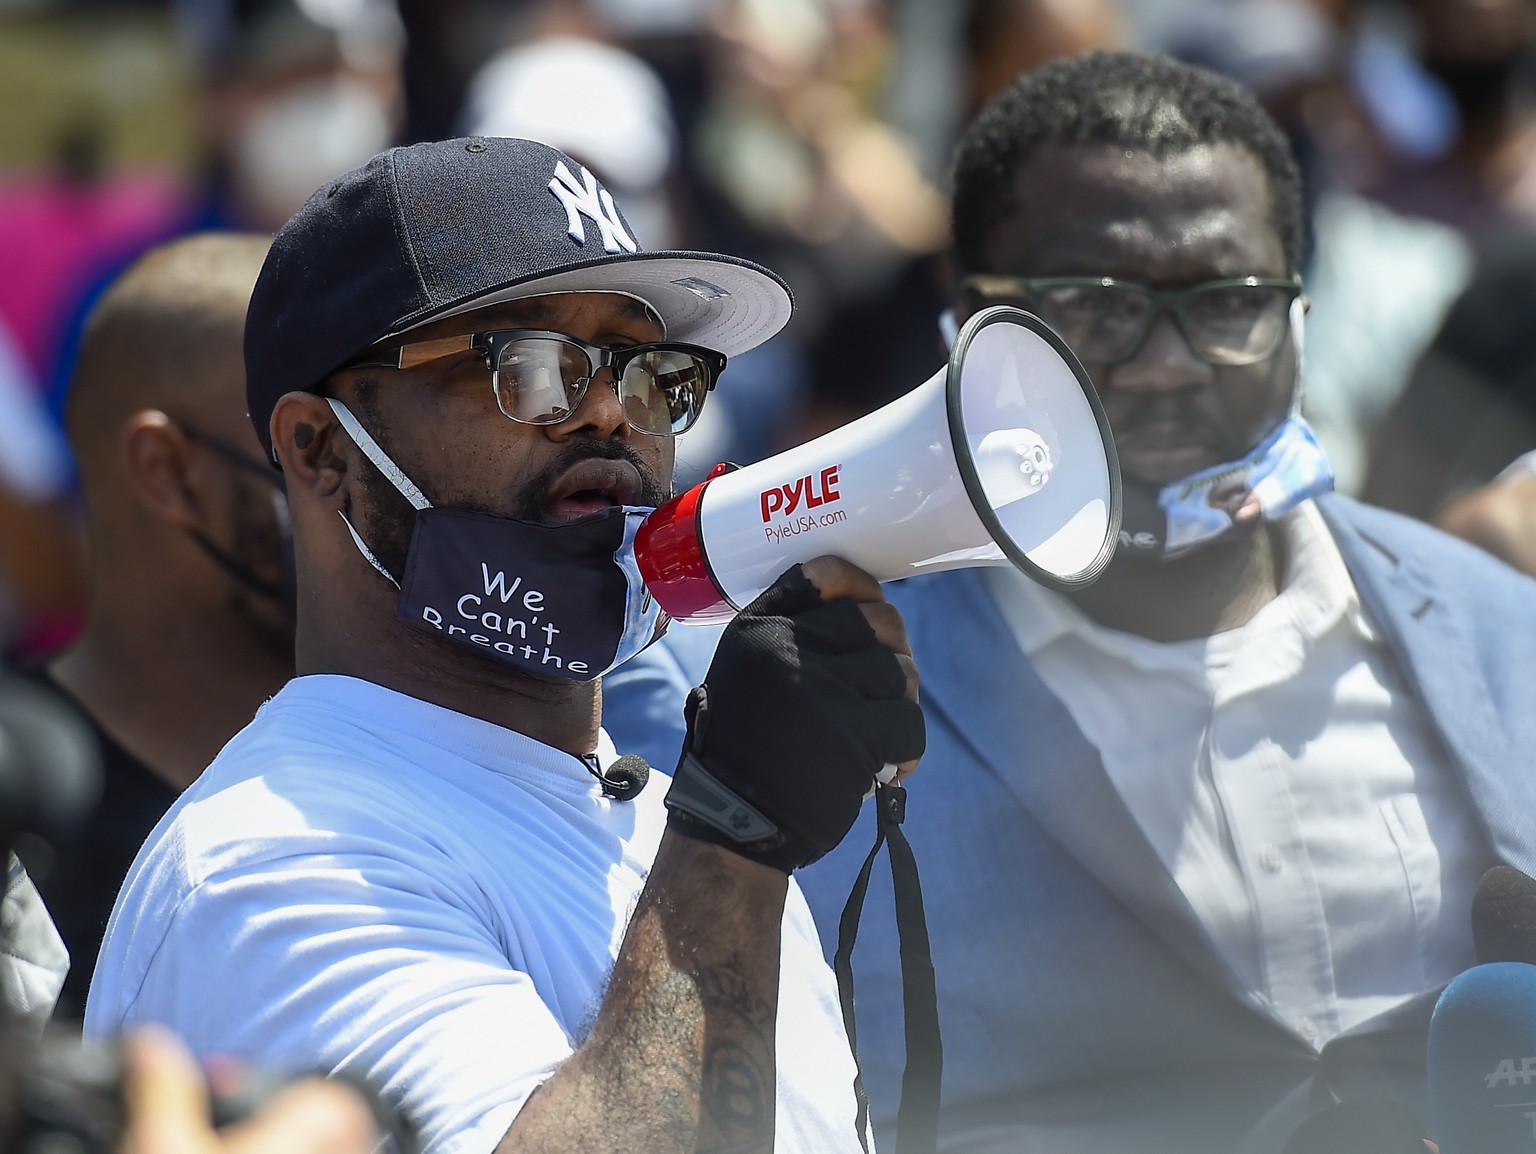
[[563, 601], [551, 600]]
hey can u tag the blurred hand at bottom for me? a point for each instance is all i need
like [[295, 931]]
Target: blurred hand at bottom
[[167, 1104]]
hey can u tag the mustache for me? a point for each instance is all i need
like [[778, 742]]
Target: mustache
[[530, 505]]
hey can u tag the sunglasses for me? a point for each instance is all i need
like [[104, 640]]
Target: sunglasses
[[540, 378]]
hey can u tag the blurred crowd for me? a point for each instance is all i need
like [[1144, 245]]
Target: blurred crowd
[[812, 135]]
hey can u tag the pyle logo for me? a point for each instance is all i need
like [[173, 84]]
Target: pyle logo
[[1143, 540], [585, 197], [1506, 1073], [814, 489]]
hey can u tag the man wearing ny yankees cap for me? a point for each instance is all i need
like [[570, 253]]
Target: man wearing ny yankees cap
[[423, 862]]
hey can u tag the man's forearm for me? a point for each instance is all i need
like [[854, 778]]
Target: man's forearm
[[681, 1054]]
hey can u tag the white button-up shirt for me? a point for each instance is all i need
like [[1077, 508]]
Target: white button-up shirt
[[1289, 782]]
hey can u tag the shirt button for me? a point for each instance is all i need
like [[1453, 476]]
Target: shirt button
[[1308, 1029], [1272, 859]]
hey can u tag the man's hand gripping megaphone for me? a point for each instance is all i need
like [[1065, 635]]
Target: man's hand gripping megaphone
[[811, 693]]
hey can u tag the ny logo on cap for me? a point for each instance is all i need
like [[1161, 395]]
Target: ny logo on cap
[[587, 197]]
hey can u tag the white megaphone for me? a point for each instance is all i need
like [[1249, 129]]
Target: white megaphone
[[1002, 457]]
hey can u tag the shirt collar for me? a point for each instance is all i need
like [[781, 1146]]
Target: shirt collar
[[1316, 583], [1316, 591]]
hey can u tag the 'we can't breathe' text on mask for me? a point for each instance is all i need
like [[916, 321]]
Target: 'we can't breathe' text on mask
[[563, 601]]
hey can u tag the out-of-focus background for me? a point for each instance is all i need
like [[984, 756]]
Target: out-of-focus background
[[812, 135]]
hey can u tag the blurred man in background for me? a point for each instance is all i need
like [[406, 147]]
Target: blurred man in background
[[189, 626], [291, 93], [1244, 786], [281, 94], [1201, 839]]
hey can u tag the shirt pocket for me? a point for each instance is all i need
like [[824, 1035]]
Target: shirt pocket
[[1420, 862]]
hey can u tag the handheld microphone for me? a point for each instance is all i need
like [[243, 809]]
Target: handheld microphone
[[1504, 916], [624, 779], [1482, 1061]]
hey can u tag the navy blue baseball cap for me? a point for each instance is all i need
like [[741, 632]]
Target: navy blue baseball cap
[[432, 230]]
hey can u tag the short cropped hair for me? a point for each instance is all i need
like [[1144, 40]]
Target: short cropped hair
[[1152, 104]]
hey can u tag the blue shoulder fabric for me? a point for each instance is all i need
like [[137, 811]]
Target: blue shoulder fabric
[[643, 698], [1462, 625]]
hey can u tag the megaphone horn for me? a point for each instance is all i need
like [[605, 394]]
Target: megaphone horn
[[1002, 457]]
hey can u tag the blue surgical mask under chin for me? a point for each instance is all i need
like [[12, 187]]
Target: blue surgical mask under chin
[[1283, 470], [562, 601]]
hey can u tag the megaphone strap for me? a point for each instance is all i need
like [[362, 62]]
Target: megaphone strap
[[917, 1118]]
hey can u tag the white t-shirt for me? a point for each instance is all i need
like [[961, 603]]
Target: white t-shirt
[[368, 882]]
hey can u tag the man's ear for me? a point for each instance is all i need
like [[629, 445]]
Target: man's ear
[[155, 457], [311, 445]]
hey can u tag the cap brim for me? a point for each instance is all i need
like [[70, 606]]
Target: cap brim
[[721, 302]]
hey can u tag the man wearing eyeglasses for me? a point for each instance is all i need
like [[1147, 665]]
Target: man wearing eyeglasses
[[423, 862], [1199, 842]]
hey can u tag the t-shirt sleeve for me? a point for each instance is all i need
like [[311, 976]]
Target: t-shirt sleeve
[[359, 962]]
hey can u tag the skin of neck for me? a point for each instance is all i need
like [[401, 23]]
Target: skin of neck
[[360, 636], [1199, 594], [164, 666]]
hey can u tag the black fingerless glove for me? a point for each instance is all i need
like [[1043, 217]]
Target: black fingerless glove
[[801, 707]]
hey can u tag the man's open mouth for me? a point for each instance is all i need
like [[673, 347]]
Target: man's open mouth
[[592, 486]]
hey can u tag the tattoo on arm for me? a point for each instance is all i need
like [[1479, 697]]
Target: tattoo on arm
[[680, 1057], [738, 1082]]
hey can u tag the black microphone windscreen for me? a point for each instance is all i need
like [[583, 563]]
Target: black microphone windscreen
[[1504, 917], [626, 777], [1360, 1126]]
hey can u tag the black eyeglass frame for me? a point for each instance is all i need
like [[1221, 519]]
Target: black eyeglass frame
[[988, 286], [490, 344]]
